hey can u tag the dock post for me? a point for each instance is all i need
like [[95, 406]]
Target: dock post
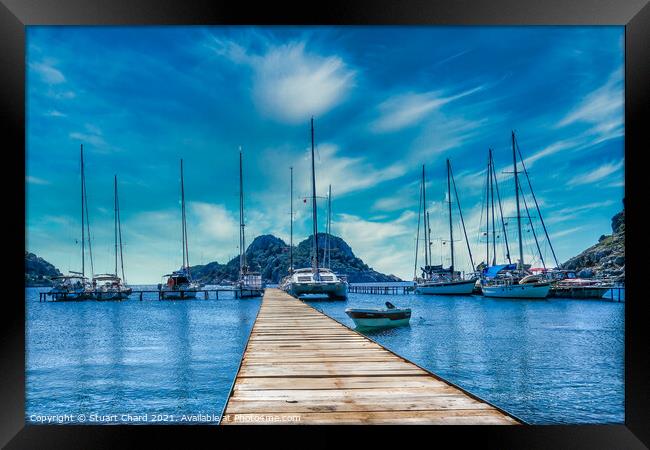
[[206, 294], [217, 293], [140, 295]]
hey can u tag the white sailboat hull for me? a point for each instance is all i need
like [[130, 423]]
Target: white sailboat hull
[[530, 290], [338, 290], [461, 287]]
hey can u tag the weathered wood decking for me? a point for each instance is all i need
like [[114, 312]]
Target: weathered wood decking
[[303, 367]]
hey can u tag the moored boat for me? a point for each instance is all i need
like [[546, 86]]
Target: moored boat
[[249, 283], [513, 280], [179, 284], [110, 287], [76, 286], [436, 280], [316, 280], [379, 318]]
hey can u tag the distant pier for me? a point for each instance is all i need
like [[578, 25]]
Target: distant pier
[[302, 367], [379, 289], [96, 295]]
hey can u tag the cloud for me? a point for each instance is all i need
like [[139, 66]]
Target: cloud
[[48, 73], [290, 84], [36, 180], [597, 174], [408, 109], [55, 113], [602, 109], [387, 246]]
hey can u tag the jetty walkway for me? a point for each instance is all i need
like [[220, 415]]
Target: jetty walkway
[[302, 367]]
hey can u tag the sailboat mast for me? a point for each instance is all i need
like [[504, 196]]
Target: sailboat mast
[[426, 222], [291, 228], [514, 162], [313, 200], [417, 237], [503, 224], [494, 230], [183, 225], [115, 217], [451, 229], [329, 224], [487, 212], [83, 235], [85, 203], [242, 237], [429, 238]]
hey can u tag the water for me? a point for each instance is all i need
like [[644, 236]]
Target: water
[[160, 358], [545, 361]]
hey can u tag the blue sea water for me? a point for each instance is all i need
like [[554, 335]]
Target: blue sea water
[[115, 362], [551, 361], [545, 361]]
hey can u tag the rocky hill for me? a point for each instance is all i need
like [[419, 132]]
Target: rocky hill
[[607, 257], [270, 256], [38, 271]]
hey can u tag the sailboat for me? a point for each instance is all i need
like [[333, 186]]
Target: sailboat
[[249, 283], [437, 280], [75, 285], [179, 284], [315, 279], [512, 280], [110, 286]]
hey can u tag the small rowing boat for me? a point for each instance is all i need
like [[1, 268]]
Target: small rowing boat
[[375, 317]]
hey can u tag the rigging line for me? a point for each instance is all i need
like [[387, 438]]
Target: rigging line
[[427, 237], [503, 224], [539, 213], [417, 238], [487, 212], [462, 221], [83, 219], [530, 222], [119, 230], [90, 248]]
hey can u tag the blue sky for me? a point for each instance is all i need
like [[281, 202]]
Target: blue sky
[[385, 101]]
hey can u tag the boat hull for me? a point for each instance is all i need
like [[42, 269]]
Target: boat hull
[[374, 319], [464, 287], [177, 295], [531, 290], [335, 291]]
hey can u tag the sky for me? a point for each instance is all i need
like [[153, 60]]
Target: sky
[[385, 100]]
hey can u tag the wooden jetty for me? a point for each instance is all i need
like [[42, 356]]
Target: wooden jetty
[[380, 289], [302, 367]]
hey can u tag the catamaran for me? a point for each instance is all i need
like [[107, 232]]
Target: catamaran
[[436, 280], [316, 279], [249, 283], [110, 286], [513, 280], [179, 284], [76, 286]]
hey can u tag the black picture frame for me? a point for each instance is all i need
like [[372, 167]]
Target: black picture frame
[[16, 14]]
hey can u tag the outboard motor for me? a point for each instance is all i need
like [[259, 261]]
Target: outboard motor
[[389, 305]]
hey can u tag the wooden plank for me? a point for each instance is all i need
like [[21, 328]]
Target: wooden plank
[[301, 364]]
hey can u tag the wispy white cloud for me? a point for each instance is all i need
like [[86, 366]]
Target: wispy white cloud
[[597, 174], [47, 72], [55, 113], [289, 83], [35, 180], [602, 109], [410, 108]]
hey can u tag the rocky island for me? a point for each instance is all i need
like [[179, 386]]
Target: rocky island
[[269, 255], [606, 259], [38, 272]]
